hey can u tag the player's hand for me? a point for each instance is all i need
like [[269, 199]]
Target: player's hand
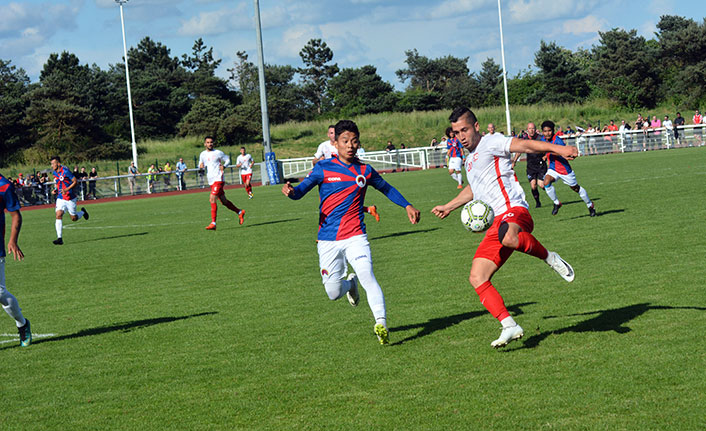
[[287, 189], [413, 214], [569, 153], [440, 211], [15, 251]]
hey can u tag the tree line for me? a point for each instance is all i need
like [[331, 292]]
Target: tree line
[[81, 111]]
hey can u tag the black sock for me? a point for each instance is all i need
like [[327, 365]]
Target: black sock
[[535, 193]]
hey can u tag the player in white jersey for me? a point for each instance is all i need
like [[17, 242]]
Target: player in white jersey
[[215, 161], [245, 162], [492, 180]]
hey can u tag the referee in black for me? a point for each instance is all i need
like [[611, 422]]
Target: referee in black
[[536, 165]]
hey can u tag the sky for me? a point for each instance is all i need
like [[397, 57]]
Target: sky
[[359, 32]]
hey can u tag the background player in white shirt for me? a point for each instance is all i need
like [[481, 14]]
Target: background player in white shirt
[[214, 161], [492, 180], [244, 162]]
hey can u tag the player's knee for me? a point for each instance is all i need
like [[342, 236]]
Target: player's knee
[[334, 289], [476, 279]]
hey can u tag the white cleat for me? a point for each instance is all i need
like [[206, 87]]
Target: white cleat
[[353, 295], [509, 334], [561, 266]]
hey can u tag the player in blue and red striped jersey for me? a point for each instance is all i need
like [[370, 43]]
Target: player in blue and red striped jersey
[[455, 154], [65, 197], [9, 202], [343, 181], [559, 168]]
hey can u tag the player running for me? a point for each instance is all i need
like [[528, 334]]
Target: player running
[[65, 197], [455, 154], [9, 202], [215, 161], [559, 168], [325, 151], [492, 180], [343, 181], [536, 165], [245, 162]]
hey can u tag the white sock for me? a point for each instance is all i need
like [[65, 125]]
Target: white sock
[[551, 192], [376, 299], [335, 289], [584, 195], [459, 178], [453, 176], [508, 322], [58, 224], [12, 308]]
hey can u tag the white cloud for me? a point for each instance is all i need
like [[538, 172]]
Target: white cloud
[[545, 10], [217, 22], [589, 24], [294, 38], [450, 8]]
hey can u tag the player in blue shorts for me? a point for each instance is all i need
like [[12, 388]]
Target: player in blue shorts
[[65, 197], [9, 202], [343, 181]]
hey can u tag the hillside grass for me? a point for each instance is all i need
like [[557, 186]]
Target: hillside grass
[[414, 129]]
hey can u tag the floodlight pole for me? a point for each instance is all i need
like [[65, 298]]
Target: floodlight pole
[[270, 160], [502, 56], [127, 79]]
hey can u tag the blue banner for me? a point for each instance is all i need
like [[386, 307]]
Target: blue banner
[[272, 169]]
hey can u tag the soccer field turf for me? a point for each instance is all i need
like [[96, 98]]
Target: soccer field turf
[[144, 320]]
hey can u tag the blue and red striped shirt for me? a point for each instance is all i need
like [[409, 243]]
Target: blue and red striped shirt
[[63, 179], [342, 190], [454, 148], [557, 163], [8, 201]]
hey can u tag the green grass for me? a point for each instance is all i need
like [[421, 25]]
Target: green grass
[[159, 324]]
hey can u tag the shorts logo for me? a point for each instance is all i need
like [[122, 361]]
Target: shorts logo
[[361, 257], [324, 272], [508, 215], [360, 180]]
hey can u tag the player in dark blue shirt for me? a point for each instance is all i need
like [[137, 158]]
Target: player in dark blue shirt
[[343, 181], [9, 202]]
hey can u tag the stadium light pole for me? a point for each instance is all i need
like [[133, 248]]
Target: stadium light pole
[[127, 80], [270, 160], [502, 56]]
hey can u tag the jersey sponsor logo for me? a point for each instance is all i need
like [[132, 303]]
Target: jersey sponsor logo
[[333, 179], [360, 180], [475, 157]]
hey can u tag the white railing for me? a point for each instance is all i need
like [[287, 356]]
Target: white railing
[[636, 140]]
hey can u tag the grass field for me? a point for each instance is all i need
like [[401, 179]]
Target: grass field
[[156, 323]]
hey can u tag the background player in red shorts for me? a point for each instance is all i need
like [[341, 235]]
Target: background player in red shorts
[[215, 161], [492, 180]]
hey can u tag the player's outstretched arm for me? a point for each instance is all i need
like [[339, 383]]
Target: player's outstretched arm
[[15, 227], [464, 196], [529, 146], [413, 214]]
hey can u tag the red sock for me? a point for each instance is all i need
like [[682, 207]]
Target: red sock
[[366, 210], [214, 211], [248, 189], [492, 301], [230, 206], [528, 244]]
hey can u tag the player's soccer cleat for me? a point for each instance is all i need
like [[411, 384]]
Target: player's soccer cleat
[[58, 241], [459, 186], [561, 266], [373, 211], [555, 210], [25, 334], [592, 211], [85, 213], [508, 335], [539, 205], [250, 195], [211, 226], [353, 294], [241, 217], [382, 333]]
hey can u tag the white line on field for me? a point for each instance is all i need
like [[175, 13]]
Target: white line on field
[[16, 337]]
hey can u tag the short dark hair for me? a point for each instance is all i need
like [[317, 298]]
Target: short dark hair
[[57, 158], [242, 148], [548, 123], [346, 126], [208, 137], [449, 131], [459, 112], [331, 126]]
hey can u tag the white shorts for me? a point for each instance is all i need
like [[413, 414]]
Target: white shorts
[[334, 254], [66, 206], [568, 179], [455, 163]]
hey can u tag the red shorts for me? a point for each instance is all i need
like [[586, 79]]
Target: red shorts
[[217, 188], [245, 178], [491, 248]]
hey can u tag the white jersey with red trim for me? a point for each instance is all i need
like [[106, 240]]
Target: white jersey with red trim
[[212, 161], [490, 175], [245, 162]]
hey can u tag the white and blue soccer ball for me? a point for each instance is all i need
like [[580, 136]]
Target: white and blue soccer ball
[[477, 216]]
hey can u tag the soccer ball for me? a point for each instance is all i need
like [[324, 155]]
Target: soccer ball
[[477, 216]]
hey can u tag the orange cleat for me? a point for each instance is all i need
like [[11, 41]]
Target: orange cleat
[[373, 211], [241, 216], [212, 226], [459, 186]]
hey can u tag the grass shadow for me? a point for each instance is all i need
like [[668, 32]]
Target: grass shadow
[[271, 222], [409, 232], [122, 327], [598, 214], [441, 323], [110, 237], [612, 320]]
